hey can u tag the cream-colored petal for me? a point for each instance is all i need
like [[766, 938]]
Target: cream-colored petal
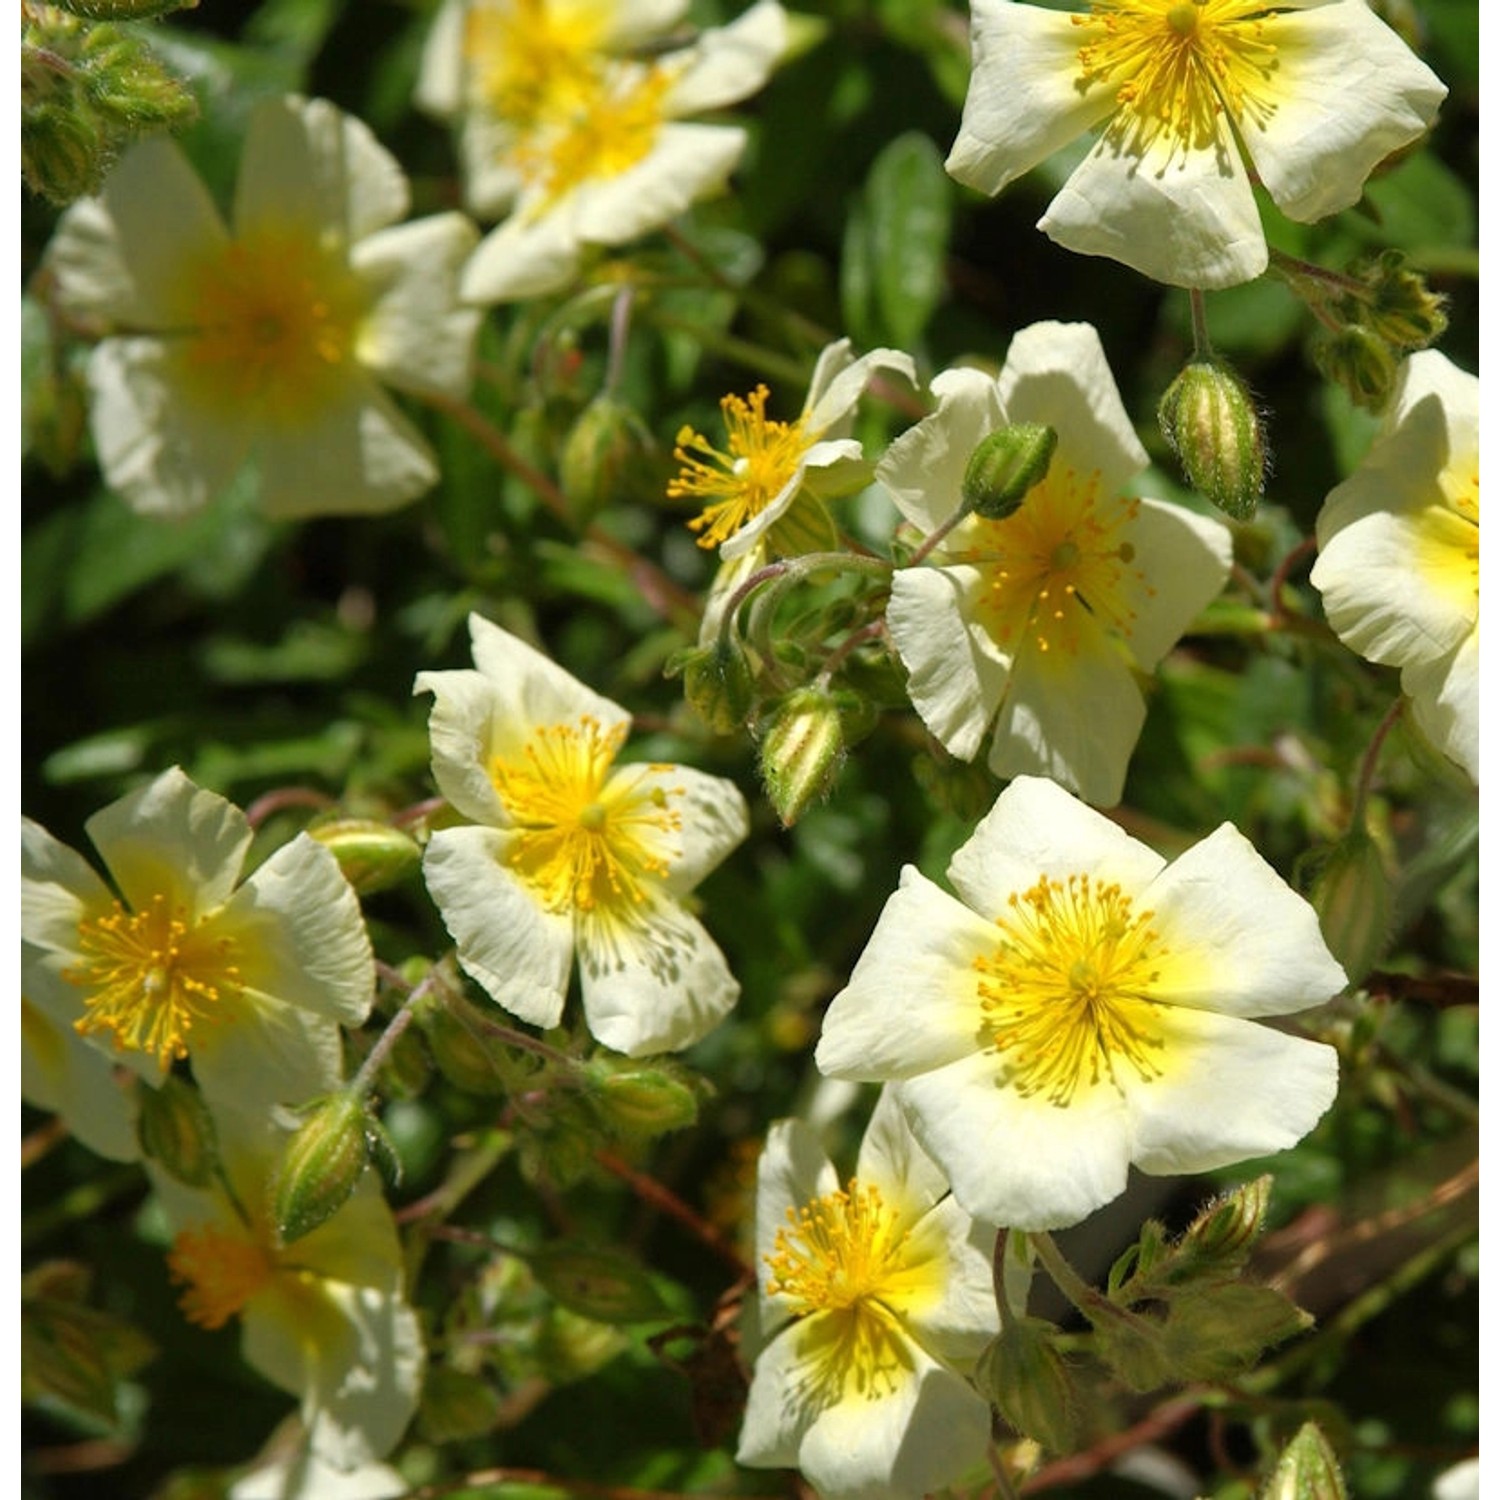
[[173, 838], [839, 381], [58, 889], [728, 63], [957, 674], [924, 468], [305, 1476], [910, 1182], [62, 1073], [1021, 1162], [1445, 702], [794, 1169], [1186, 219], [1230, 1090], [489, 150], [507, 941], [654, 983], [1183, 562], [912, 1002], [525, 257], [261, 1053], [166, 454], [306, 162], [440, 74], [1025, 99], [465, 707], [360, 456], [417, 337], [1037, 828], [299, 934], [1072, 715], [956, 1325], [715, 818], [1235, 937], [1347, 93]]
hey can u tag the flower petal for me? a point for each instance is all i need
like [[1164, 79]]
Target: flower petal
[[838, 382], [1445, 702], [912, 1002], [729, 62], [64, 1074], [1238, 939], [59, 887], [715, 819], [260, 1054], [1187, 560], [520, 952]]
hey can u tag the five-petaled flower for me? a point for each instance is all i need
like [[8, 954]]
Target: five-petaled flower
[[1398, 552], [575, 142], [324, 1318], [1084, 1006], [570, 852], [273, 340], [1315, 93], [248, 980], [1037, 624], [875, 1300]]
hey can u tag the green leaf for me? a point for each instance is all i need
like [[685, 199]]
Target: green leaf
[[602, 1284], [910, 217]]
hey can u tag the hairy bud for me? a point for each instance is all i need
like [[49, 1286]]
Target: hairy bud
[[1360, 361], [719, 684], [175, 1129], [1306, 1470], [1352, 897], [801, 751], [1210, 421], [321, 1166], [1005, 466]]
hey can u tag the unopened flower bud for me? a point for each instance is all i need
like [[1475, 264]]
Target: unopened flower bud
[[321, 1166], [599, 1283], [801, 751], [1221, 1236], [1209, 419], [1306, 1470], [1398, 307], [1024, 1377], [609, 456], [450, 1026], [373, 855], [1352, 897], [719, 684], [175, 1129], [1006, 465], [1360, 361], [641, 1101]]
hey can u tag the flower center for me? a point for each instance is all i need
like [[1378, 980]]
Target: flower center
[[609, 127], [534, 60], [221, 1273], [149, 978], [1066, 995], [1060, 556], [1176, 65], [586, 839], [275, 320], [762, 458]]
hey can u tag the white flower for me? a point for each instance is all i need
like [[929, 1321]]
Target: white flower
[[1085, 1006], [274, 339], [569, 852], [1037, 624], [325, 1317], [603, 152], [304, 1476], [875, 1300], [1398, 552], [62, 1073], [249, 980], [1315, 93]]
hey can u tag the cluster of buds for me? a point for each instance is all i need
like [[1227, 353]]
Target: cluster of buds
[[88, 90]]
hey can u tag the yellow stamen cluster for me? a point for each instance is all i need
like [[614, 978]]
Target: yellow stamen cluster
[[1062, 555], [762, 457], [532, 60], [845, 1256], [148, 978], [587, 839], [274, 321], [221, 1273], [1176, 66], [1066, 995]]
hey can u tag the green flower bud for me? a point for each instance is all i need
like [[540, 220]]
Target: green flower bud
[[1399, 307], [719, 684], [373, 855], [1210, 421], [321, 1166], [1024, 1377], [175, 1129], [77, 1354], [606, 1285], [1306, 1470], [1221, 1236], [450, 1026], [801, 751], [1135, 1348], [1352, 897], [126, 10], [609, 456], [640, 1101], [1360, 361], [456, 1406], [1005, 466]]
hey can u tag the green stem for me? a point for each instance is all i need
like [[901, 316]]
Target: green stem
[[1202, 349]]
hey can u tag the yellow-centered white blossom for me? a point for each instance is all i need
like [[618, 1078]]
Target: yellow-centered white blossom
[[875, 1298], [1030, 631], [250, 981], [1191, 99], [1083, 1006], [1398, 552], [274, 339], [570, 852]]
